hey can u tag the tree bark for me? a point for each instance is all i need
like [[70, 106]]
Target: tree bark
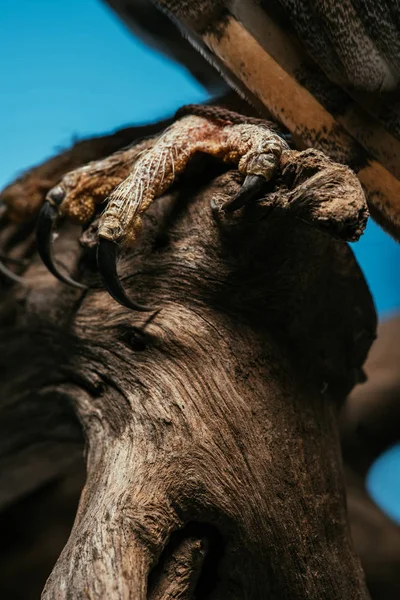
[[212, 447]]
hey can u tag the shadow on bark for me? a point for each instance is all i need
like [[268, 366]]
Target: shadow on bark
[[212, 445]]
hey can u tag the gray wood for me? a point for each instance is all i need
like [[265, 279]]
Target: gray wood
[[212, 450]]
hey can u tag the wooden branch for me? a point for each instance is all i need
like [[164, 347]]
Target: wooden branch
[[371, 417], [34, 531], [213, 458], [40, 434], [370, 423], [376, 538]]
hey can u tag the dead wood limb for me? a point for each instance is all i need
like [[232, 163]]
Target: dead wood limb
[[376, 538], [225, 421], [34, 531], [370, 424], [213, 459], [371, 416]]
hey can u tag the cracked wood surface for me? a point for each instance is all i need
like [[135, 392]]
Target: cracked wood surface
[[213, 458]]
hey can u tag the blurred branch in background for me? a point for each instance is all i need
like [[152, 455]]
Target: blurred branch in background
[[371, 425]]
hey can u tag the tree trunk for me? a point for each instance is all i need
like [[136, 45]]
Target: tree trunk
[[212, 447]]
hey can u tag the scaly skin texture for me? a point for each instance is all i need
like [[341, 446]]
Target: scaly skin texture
[[253, 149], [144, 172], [123, 186], [91, 184], [147, 170]]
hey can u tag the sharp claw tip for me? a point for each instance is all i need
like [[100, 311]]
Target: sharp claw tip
[[44, 236], [107, 255], [56, 195], [251, 187]]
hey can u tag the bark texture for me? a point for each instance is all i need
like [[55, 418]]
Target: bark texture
[[212, 447]]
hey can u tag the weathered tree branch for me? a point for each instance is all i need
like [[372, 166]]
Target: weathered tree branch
[[376, 538], [213, 458], [370, 423], [371, 417]]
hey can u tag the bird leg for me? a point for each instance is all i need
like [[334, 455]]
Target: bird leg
[[22, 199], [127, 182]]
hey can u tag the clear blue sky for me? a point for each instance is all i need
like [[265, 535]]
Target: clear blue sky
[[69, 69]]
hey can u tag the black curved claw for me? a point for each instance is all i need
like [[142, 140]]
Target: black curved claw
[[107, 254], [250, 189], [44, 233]]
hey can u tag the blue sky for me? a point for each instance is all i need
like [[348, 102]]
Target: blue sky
[[70, 69]]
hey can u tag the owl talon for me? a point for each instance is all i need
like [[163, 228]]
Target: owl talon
[[129, 181], [249, 191], [44, 235], [107, 257], [251, 148]]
